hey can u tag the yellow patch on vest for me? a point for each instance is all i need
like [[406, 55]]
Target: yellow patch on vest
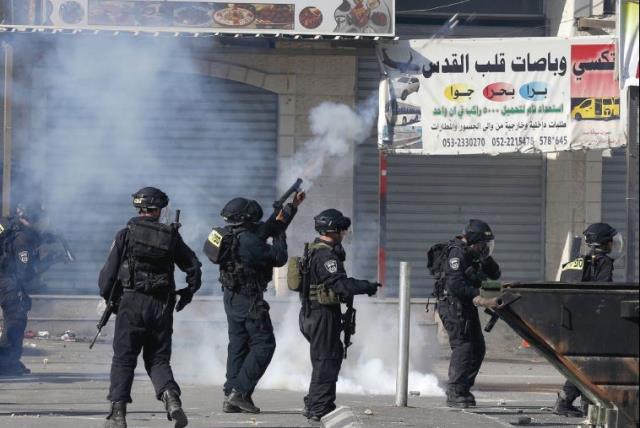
[[215, 238]]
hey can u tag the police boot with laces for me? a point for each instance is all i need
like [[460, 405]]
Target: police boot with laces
[[173, 405], [243, 401], [118, 416], [564, 408]]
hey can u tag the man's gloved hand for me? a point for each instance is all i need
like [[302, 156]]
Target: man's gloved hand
[[487, 303], [299, 198], [373, 288], [186, 295]]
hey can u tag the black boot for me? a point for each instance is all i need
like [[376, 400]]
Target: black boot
[[229, 408], [564, 408], [243, 401], [173, 405], [471, 399], [118, 416], [314, 421], [457, 400]]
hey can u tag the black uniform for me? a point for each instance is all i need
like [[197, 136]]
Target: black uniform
[[594, 268], [322, 326], [244, 280], [20, 264], [145, 312], [464, 274]]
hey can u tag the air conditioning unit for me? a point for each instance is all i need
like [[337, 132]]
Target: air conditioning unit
[[65, 13]]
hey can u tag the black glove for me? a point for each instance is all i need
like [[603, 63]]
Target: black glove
[[373, 288], [186, 295]]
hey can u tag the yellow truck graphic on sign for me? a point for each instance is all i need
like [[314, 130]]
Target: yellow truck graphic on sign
[[597, 108]]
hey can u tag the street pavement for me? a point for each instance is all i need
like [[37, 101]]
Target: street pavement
[[68, 385]]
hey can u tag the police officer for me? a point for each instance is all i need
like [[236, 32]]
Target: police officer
[[469, 262], [320, 317], [244, 277], [20, 263], [605, 244], [141, 261]]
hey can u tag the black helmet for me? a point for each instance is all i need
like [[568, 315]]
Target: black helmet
[[598, 234], [30, 211], [331, 220], [477, 231], [150, 198], [241, 210]]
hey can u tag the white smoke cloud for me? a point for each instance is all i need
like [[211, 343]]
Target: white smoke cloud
[[370, 367], [336, 129]]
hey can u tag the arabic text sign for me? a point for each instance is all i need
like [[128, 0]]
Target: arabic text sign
[[495, 96], [331, 17]]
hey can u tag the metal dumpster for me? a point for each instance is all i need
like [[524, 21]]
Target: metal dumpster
[[589, 332]]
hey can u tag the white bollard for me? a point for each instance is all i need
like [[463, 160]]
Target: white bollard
[[404, 303]]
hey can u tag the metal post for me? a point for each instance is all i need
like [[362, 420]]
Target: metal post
[[404, 303], [632, 185], [6, 128]]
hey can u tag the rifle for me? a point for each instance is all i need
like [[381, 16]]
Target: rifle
[[112, 304], [348, 325], [279, 204], [53, 237], [266, 229], [176, 223], [304, 270]]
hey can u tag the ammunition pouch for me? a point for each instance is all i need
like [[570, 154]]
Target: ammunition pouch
[[294, 277], [236, 278], [323, 295]]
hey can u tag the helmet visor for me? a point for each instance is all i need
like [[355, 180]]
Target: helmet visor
[[490, 246], [617, 246]]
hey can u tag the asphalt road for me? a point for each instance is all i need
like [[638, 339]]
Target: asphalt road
[[70, 390]]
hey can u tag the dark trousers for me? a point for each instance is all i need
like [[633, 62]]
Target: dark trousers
[[322, 330], [15, 306], [251, 341], [463, 326], [143, 323]]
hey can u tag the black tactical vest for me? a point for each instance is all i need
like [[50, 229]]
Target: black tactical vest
[[237, 276], [149, 257]]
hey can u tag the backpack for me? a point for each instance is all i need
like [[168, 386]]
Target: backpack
[[218, 244], [436, 263]]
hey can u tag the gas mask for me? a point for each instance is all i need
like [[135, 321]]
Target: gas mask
[[484, 248]]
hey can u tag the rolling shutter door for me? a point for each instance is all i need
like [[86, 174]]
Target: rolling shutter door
[[614, 206], [430, 198], [202, 140]]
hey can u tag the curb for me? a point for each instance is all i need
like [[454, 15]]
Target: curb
[[342, 417]]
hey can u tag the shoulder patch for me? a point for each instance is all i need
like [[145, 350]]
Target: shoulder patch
[[331, 266], [454, 263], [24, 256]]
